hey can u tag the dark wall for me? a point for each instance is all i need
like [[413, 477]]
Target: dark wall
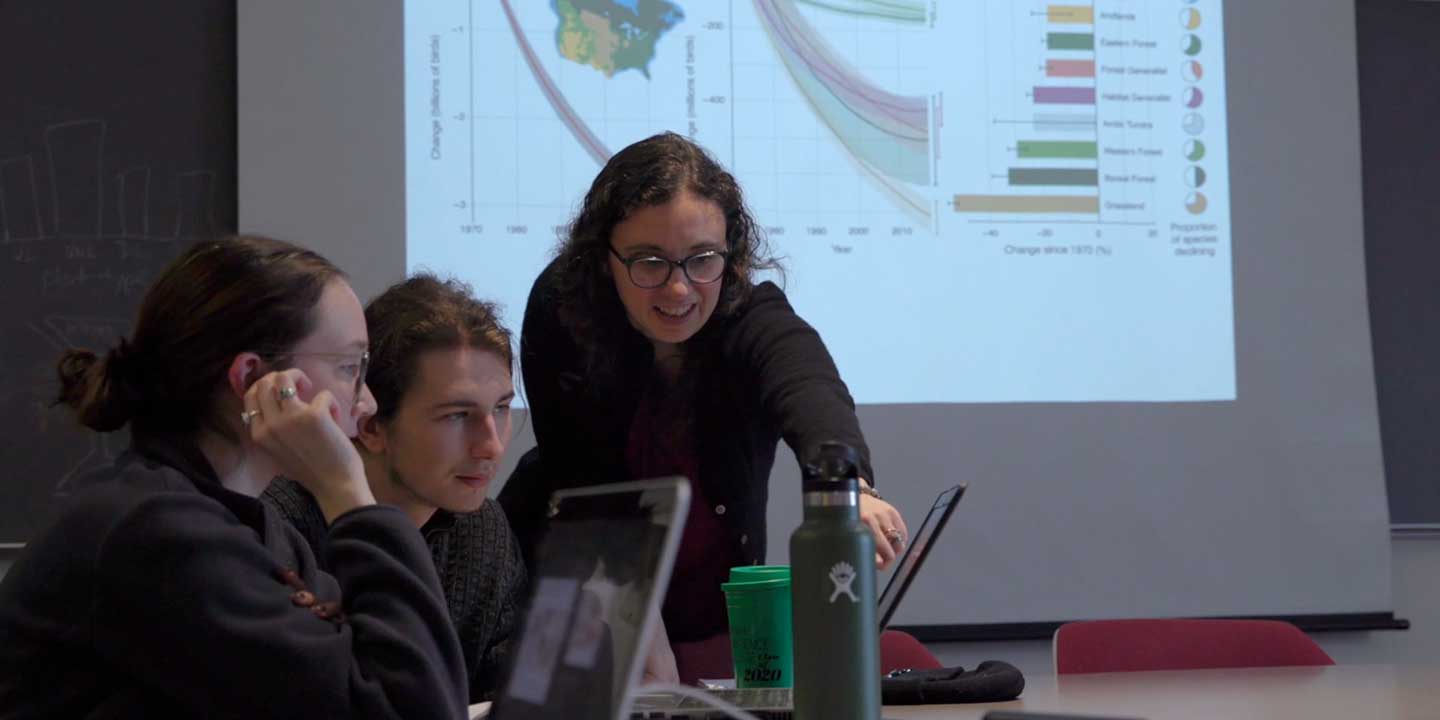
[[117, 149], [1400, 141]]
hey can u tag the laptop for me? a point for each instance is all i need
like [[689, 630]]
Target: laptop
[[600, 573], [779, 702], [915, 553]]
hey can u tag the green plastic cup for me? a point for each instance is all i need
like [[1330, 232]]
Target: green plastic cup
[[752, 573], [760, 641]]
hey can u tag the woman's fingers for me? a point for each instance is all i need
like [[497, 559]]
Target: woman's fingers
[[303, 385], [284, 390], [884, 550], [324, 404], [899, 524], [280, 419], [887, 526], [303, 437], [264, 400]]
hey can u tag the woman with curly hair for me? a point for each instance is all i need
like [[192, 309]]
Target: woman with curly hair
[[648, 349]]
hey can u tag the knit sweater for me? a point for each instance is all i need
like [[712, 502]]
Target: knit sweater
[[478, 560]]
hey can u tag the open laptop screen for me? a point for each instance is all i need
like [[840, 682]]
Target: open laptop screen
[[915, 554], [599, 573]]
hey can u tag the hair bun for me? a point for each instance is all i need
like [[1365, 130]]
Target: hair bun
[[103, 394], [74, 370]]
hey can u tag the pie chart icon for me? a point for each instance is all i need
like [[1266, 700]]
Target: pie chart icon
[[1192, 71], [1190, 45], [1194, 150], [1194, 98], [1193, 124], [1195, 176], [1190, 18], [1196, 203]]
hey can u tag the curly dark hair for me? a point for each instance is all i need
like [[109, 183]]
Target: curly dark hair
[[648, 173]]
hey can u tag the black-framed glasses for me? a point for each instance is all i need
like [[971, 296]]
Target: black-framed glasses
[[356, 365], [651, 271]]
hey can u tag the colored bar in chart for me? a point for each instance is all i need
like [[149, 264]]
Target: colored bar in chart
[[1071, 14], [1065, 95], [1070, 41], [1067, 177], [1070, 68], [1064, 123], [1087, 204], [1066, 149]]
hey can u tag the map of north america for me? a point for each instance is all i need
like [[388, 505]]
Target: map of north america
[[613, 36]]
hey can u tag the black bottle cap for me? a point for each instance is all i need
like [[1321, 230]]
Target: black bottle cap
[[830, 466]]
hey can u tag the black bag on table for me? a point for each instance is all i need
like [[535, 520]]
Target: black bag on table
[[990, 681]]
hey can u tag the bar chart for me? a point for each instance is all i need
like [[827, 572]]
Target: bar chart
[[1051, 160], [1085, 113]]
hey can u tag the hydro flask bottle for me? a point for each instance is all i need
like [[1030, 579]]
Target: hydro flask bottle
[[832, 586]]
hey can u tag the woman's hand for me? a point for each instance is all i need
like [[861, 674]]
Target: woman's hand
[[305, 441], [886, 525], [660, 660]]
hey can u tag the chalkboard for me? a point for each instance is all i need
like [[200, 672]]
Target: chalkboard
[[117, 150]]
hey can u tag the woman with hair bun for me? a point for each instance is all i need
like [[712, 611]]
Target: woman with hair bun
[[165, 588]]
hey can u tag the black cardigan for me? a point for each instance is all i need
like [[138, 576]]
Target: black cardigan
[[763, 375], [159, 593], [480, 570]]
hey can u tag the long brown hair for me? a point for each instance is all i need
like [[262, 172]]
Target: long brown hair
[[648, 173], [216, 300]]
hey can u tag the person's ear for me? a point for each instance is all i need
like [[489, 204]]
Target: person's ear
[[244, 370], [370, 435]]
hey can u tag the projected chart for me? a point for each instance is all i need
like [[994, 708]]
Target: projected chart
[[987, 201]]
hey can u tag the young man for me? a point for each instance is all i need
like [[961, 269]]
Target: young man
[[440, 370]]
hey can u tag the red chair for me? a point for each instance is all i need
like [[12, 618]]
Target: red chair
[[1132, 645], [900, 650], [711, 658]]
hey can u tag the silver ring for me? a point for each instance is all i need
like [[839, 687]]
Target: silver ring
[[894, 535], [247, 416], [286, 393]]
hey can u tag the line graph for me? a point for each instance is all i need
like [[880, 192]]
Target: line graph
[[654, 66]]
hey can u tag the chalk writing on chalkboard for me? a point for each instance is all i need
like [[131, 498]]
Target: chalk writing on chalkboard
[[79, 242]]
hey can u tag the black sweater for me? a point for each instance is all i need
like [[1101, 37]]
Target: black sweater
[[159, 593], [480, 570], [762, 374]]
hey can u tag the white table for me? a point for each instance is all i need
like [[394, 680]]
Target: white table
[[1351, 692]]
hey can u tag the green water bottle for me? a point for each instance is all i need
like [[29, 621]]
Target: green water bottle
[[832, 568]]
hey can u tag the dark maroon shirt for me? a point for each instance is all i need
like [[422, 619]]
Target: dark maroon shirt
[[662, 442]]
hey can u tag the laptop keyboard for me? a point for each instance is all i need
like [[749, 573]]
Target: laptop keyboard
[[773, 698], [765, 703]]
